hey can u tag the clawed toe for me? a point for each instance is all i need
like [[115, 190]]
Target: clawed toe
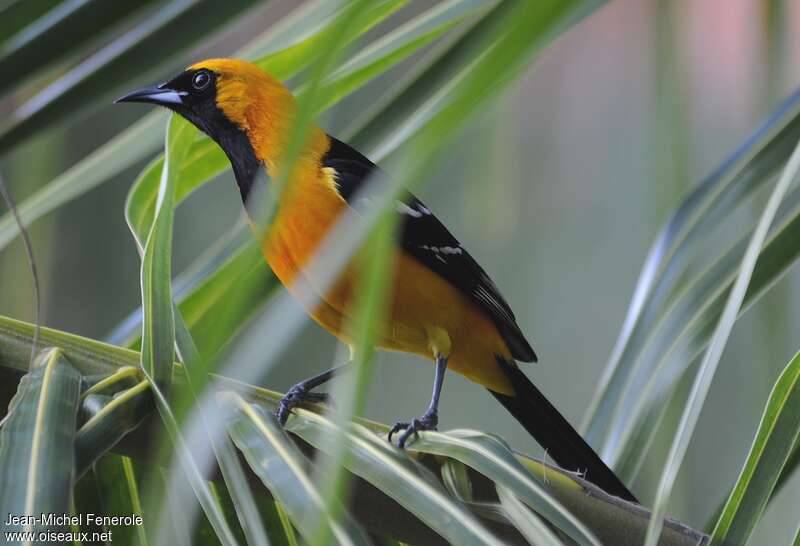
[[294, 397], [426, 422]]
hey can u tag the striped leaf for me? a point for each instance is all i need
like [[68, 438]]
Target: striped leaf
[[37, 461], [777, 436], [283, 469]]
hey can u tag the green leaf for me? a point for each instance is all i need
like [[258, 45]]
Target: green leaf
[[15, 15], [58, 33], [535, 531], [158, 338], [390, 470], [280, 465], [714, 352], [398, 44], [115, 408], [687, 325], [246, 509], [119, 153], [287, 62], [37, 462], [114, 480], [144, 137], [777, 436], [138, 53], [751, 166], [206, 159], [491, 457], [187, 464], [614, 522], [159, 323]]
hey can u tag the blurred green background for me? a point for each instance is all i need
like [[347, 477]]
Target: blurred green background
[[558, 191]]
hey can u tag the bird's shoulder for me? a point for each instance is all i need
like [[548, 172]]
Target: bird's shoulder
[[423, 236]]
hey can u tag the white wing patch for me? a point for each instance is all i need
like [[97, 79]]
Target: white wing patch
[[441, 251], [414, 212]]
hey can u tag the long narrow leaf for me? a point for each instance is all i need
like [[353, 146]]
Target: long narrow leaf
[[138, 53], [37, 463], [492, 458], [279, 464], [158, 329], [388, 469], [242, 496], [529, 524], [58, 33], [686, 329], [142, 139], [110, 159], [158, 337], [716, 197], [709, 365], [776, 437]]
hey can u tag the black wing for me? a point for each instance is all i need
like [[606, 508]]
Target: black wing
[[425, 238]]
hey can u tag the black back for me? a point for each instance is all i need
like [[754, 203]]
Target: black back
[[425, 238]]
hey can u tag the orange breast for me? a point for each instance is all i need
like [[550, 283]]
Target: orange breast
[[423, 307]]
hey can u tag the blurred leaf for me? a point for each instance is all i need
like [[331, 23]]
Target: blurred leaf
[[132, 145], [776, 437], [369, 306], [241, 495], [160, 37], [107, 161], [529, 524], [191, 473], [687, 325], [57, 34], [206, 160], [158, 329], [718, 341], [492, 458], [752, 165], [279, 464], [398, 44], [17, 14], [287, 62], [456, 480], [390, 470], [206, 296], [424, 95], [37, 463]]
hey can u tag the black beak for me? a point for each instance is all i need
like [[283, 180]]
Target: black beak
[[161, 95]]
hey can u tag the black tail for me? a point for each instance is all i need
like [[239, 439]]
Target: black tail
[[555, 434]]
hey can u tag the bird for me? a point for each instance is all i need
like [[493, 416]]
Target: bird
[[442, 305]]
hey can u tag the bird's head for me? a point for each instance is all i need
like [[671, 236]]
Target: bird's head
[[245, 110]]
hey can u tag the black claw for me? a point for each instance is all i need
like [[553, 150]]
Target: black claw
[[426, 422], [296, 396]]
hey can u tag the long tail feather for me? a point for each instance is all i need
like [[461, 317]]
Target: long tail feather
[[554, 433]]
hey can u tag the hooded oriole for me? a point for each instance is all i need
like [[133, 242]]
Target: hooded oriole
[[443, 305]]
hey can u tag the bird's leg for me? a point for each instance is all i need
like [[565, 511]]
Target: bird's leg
[[301, 392], [429, 419]]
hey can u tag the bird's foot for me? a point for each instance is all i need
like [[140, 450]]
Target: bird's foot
[[429, 421], [296, 396]]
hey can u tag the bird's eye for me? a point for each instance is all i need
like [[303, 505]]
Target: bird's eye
[[201, 80]]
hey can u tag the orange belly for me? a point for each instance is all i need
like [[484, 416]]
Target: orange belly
[[425, 312]]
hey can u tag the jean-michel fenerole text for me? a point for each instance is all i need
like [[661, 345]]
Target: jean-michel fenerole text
[[50, 520]]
